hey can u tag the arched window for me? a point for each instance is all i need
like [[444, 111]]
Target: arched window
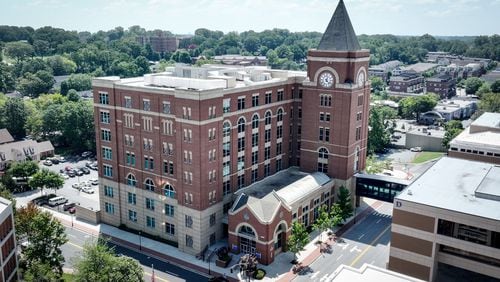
[[226, 129], [255, 121], [169, 191], [247, 231], [323, 160], [241, 125], [149, 185], [268, 118], [280, 115], [131, 181]]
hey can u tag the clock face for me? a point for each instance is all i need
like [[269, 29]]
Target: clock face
[[326, 80], [361, 78]]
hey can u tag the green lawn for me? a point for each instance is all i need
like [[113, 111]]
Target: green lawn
[[426, 156]]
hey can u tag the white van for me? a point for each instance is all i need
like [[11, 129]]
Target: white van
[[57, 201]]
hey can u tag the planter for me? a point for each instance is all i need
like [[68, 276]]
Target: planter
[[223, 263]]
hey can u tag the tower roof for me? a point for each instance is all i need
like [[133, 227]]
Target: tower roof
[[339, 35]]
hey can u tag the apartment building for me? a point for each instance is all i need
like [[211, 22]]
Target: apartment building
[[442, 84], [8, 259], [448, 220], [407, 82], [175, 147]]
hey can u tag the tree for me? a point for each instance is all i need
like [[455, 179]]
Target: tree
[[73, 95], [378, 136], [46, 179], [77, 125], [7, 80], [490, 102], [413, 106], [79, 82], [99, 263], [19, 50], [35, 84], [61, 65], [323, 222], [344, 202], [453, 128], [495, 86], [472, 84], [335, 215], [23, 169], [298, 239], [45, 235], [181, 56], [377, 84], [40, 272], [13, 117]]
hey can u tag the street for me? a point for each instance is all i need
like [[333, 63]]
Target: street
[[366, 242], [164, 271]]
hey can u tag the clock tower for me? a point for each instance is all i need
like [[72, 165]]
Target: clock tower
[[335, 103]]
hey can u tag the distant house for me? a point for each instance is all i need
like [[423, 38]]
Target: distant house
[[456, 108], [407, 82], [242, 60], [18, 151], [383, 70], [442, 84]]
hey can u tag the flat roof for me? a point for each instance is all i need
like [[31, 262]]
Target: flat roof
[[4, 203], [369, 272], [478, 140], [488, 120], [451, 184]]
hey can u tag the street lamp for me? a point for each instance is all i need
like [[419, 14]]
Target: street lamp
[[71, 220]]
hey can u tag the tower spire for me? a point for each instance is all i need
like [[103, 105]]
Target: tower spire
[[339, 35]]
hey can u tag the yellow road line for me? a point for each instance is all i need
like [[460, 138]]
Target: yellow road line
[[156, 277], [369, 247], [75, 245]]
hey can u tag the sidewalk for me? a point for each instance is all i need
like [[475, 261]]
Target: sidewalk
[[280, 270]]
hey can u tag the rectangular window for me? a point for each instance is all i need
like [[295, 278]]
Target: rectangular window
[[189, 241], [129, 120], [166, 107], [226, 187], [150, 222], [146, 105], [150, 204], [108, 191], [105, 135], [103, 98], [359, 116], [148, 163], [280, 94], [147, 123], [267, 153], [255, 157], [278, 165], [267, 135], [255, 139], [255, 100], [128, 102], [267, 170], [241, 103], [169, 228], [212, 219], [110, 208], [130, 158], [279, 132], [361, 100], [132, 215], [107, 153], [188, 220], [226, 105], [241, 163], [269, 97], [255, 175], [241, 181], [358, 133], [279, 149], [105, 117], [327, 134], [241, 144], [299, 112], [168, 167], [107, 170], [321, 134], [226, 168], [132, 198], [169, 210]]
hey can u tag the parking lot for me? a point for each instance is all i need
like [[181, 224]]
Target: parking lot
[[90, 201]]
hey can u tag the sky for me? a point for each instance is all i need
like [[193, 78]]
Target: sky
[[399, 17]]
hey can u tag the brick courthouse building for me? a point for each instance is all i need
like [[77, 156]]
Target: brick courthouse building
[[197, 154]]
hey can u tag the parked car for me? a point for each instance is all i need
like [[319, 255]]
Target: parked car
[[85, 170], [72, 210], [64, 175], [87, 154], [47, 162], [56, 201], [68, 206], [71, 173], [43, 200], [54, 160], [94, 181], [78, 172], [85, 184], [88, 190], [76, 186], [416, 149], [94, 167]]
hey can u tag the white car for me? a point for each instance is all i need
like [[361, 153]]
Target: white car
[[47, 162], [416, 149], [76, 186], [94, 181], [85, 184], [88, 190], [64, 175]]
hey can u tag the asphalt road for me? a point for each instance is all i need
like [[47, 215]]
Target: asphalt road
[[366, 242], [164, 271]]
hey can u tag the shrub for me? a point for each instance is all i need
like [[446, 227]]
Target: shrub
[[259, 274]]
